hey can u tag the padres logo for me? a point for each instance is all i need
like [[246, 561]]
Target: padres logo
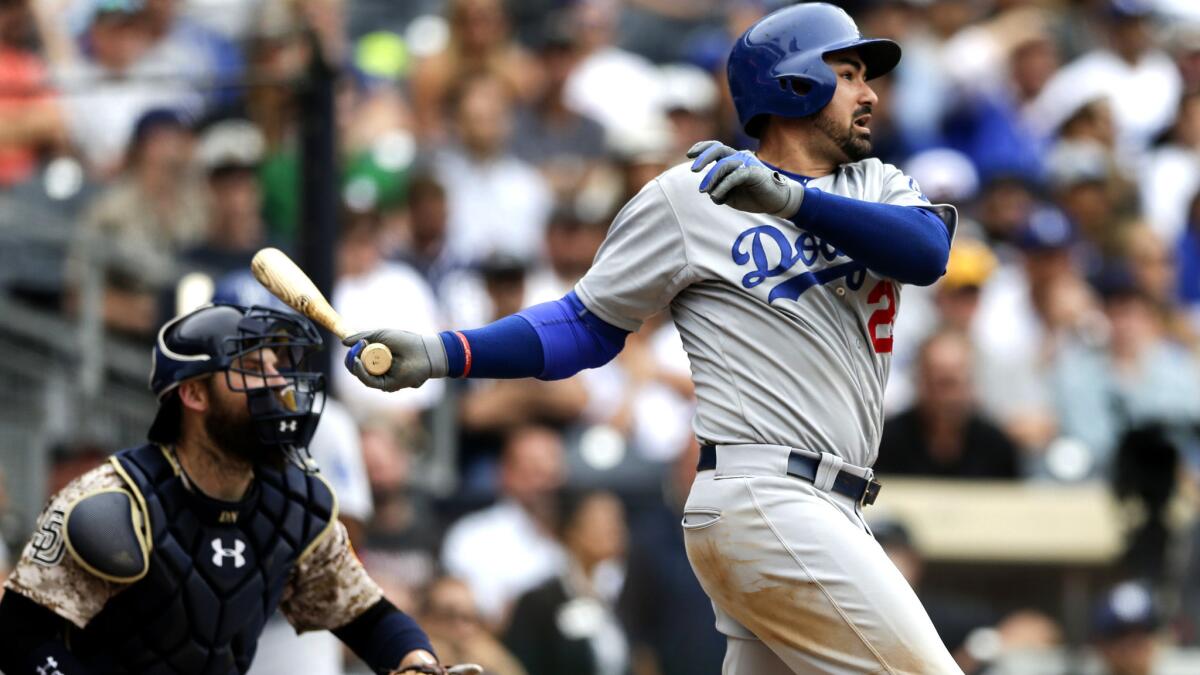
[[48, 545]]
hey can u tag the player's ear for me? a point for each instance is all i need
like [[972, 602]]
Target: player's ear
[[195, 394]]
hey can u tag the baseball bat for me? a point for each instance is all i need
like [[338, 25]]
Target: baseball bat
[[290, 284]]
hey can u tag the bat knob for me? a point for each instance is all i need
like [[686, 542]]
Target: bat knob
[[377, 358]]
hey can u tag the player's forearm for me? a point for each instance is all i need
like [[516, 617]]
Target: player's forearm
[[383, 636], [906, 243], [550, 341], [31, 635]]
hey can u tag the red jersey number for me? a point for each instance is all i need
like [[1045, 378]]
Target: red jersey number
[[882, 317]]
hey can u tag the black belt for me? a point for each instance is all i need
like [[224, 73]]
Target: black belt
[[802, 466]]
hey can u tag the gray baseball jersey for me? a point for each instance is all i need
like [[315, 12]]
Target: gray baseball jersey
[[789, 339]]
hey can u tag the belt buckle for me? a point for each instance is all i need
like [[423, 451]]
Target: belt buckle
[[871, 489], [871, 492]]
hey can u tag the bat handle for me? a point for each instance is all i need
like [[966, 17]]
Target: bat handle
[[377, 358]]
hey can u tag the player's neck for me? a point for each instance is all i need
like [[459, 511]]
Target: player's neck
[[793, 148], [212, 471]]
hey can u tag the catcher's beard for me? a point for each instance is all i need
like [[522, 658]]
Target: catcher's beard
[[843, 137], [230, 427]]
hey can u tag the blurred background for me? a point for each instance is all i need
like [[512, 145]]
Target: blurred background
[[442, 163]]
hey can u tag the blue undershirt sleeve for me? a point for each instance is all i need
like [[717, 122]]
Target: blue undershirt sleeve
[[906, 243], [550, 341], [504, 349]]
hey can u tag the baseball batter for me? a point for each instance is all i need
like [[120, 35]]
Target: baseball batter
[[783, 271]]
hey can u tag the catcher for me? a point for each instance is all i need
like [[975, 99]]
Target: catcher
[[170, 557]]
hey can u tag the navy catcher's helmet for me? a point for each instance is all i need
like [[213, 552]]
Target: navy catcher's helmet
[[777, 66], [225, 338]]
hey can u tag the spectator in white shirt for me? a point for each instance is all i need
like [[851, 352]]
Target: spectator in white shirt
[[497, 203], [370, 289], [1141, 80], [509, 548]]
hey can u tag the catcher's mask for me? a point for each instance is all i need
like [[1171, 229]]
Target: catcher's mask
[[284, 397]]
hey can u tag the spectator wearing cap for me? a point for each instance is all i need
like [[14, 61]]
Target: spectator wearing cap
[[943, 176], [1140, 79], [990, 119], [1026, 311], [617, 88], [181, 47], [1005, 205], [133, 232], [690, 97], [1090, 178], [230, 153], [497, 202], [950, 304], [1096, 200], [1136, 376], [113, 86], [957, 292], [31, 119], [566, 146], [945, 434], [1123, 627]]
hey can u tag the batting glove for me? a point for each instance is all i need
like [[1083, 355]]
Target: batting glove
[[415, 358], [740, 180]]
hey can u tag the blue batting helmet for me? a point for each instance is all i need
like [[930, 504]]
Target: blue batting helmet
[[777, 67], [286, 402]]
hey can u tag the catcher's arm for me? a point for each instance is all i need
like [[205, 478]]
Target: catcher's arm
[[463, 669]]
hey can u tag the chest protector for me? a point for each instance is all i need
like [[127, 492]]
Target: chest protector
[[217, 569]]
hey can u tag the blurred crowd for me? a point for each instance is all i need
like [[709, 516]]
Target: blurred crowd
[[484, 147]]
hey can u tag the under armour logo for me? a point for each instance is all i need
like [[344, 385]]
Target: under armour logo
[[220, 553], [50, 667], [287, 425]]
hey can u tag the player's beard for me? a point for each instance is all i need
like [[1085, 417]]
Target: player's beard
[[844, 138], [232, 430]]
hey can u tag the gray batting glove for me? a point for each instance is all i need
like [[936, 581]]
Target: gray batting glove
[[740, 180], [415, 358]]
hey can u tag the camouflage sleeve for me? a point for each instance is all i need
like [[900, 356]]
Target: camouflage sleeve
[[50, 576], [329, 587]]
